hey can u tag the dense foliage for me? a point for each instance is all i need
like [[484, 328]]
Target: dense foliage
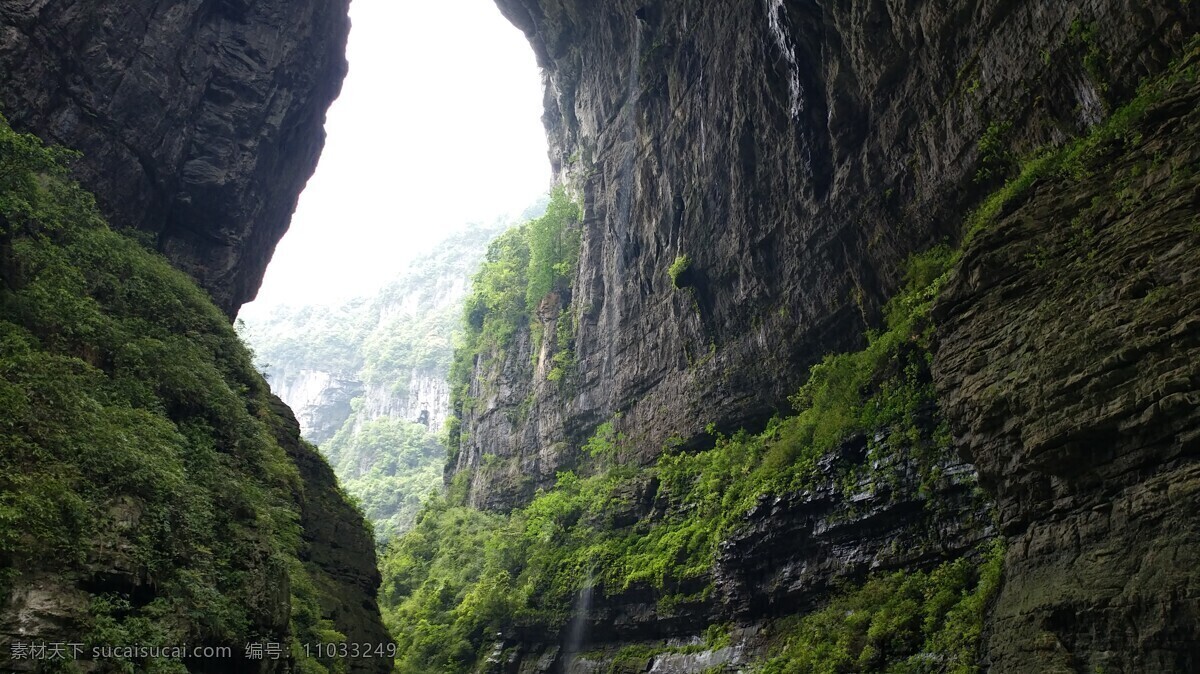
[[140, 466], [524, 267], [441, 596], [389, 466], [446, 599], [294, 338], [553, 248], [379, 341], [678, 268], [907, 622]]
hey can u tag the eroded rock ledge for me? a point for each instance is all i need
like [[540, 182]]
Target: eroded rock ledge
[[1070, 367]]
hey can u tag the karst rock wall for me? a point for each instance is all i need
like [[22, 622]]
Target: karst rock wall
[[796, 154]]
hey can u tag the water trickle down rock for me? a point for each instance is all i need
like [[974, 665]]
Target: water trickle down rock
[[798, 228], [775, 19]]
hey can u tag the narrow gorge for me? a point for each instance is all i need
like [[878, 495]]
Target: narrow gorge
[[369, 378], [855, 336]]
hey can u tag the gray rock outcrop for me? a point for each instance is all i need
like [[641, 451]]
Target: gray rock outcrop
[[199, 121]]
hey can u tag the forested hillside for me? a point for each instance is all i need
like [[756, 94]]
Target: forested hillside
[[152, 490], [368, 379], [852, 338]]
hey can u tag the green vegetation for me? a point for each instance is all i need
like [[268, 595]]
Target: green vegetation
[[496, 307], [460, 573], [678, 268], [389, 466], [140, 448], [636, 657], [447, 599], [1083, 34], [995, 156], [905, 622], [295, 338], [606, 441], [523, 267], [553, 248], [563, 361], [1078, 158], [442, 596], [404, 333]]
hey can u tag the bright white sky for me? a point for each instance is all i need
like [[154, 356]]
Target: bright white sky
[[438, 124]]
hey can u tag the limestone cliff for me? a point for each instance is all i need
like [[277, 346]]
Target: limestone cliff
[[754, 177], [368, 378], [797, 154], [320, 399], [336, 543], [390, 351], [199, 121], [1070, 368]]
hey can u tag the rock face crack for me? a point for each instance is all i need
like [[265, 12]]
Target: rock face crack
[[798, 154]]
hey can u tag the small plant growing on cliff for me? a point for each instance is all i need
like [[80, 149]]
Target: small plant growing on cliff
[[605, 441], [678, 268], [995, 158], [563, 360], [1094, 60], [553, 242]]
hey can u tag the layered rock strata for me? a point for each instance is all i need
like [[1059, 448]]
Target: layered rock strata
[[1070, 368]]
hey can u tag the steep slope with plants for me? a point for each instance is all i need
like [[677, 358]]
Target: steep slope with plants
[[1070, 370], [518, 334], [739, 542], [154, 492], [990, 459]]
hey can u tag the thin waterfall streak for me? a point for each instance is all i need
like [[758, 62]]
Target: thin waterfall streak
[[583, 606], [775, 21]]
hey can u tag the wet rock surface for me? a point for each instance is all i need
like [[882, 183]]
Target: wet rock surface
[[797, 154], [795, 549], [1070, 368], [199, 121]]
